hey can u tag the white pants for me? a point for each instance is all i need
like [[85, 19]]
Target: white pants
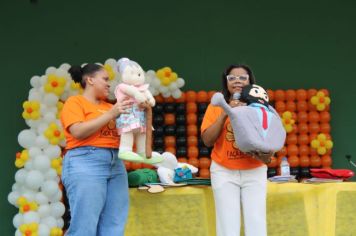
[[233, 188]]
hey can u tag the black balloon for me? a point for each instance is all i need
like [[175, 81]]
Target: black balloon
[[159, 131], [158, 120], [169, 108], [204, 152], [294, 171], [159, 149], [158, 108], [271, 172], [181, 142], [181, 130], [202, 107], [200, 118], [180, 119], [170, 130], [180, 108], [305, 172], [181, 152], [158, 142]]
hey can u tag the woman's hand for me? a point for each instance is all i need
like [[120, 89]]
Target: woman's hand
[[120, 108], [262, 156], [236, 103], [144, 105]]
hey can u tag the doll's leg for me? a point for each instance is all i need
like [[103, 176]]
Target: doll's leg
[[140, 140], [125, 150]]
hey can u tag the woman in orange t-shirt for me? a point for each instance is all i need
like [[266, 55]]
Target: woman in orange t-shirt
[[94, 178], [237, 178]]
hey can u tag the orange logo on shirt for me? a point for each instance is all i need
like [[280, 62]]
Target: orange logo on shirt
[[236, 153]]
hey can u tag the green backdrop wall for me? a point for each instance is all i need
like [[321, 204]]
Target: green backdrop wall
[[289, 44]]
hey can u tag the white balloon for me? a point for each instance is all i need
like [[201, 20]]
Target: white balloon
[[166, 95], [51, 70], [31, 217], [34, 151], [26, 138], [110, 61], [33, 123], [50, 221], [50, 188], [173, 86], [156, 83], [29, 165], [50, 99], [29, 195], [163, 89], [12, 197], [34, 95], [35, 81], [43, 80], [57, 197], [16, 187], [49, 117], [65, 66], [60, 223], [180, 82], [21, 176], [42, 127], [57, 209], [44, 211], [34, 179], [51, 174], [41, 163], [18, 233], [17, 220], [61, 73], [43, 230], [41, 141], [41, 198], [177, 94]]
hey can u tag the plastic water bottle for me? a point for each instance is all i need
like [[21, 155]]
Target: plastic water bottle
[[285, 170]]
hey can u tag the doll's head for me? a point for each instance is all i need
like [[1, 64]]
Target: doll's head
[[131, 72], [254, 94]]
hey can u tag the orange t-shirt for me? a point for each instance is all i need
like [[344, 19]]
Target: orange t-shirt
[[225, 151], [79, 109]]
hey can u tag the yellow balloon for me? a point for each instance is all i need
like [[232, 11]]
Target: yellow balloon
[[314, 100], [321, 150], [320, 106], [315, 144]]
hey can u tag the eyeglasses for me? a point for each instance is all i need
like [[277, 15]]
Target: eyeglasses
[[232, 78]]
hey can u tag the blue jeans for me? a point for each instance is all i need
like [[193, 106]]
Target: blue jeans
[[97, 190]]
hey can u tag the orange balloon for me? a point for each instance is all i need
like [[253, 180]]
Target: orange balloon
[[304, 150], [190, 96], [279, 160], [326, 160], [159, 99], [303, 128], [170, 141], [303, 139], [304, 161], [204, 173], [169, 119], [291, 106], [273, 163], [211, 93], [325, 91], [325, 117], [302, 106], [302, 117], [192, 141], [169, 99], [279, 95], [194, 162], [290, 95], [192, 130], [171, 150], [292, 150], [282, 152], [127, 165], [181, 99], [192, 118], [204, 162], [314, 128], [301, 95], [148, 166], [293, 161], [313, 152], [202, 96], [292, 139], [136, 165], [191, 107], [295, 129], [270, 95], [313, 116], [280, 106], [193, 152], [311, 93], [325, 128], [311, 107], [182, 159], [315, 161]]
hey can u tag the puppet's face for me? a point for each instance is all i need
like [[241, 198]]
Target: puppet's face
[[133, 75], [254, 94]]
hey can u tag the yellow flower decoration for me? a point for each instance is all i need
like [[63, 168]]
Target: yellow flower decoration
[[29, 229], [110, 71], [320, 101], [26, 206], [57, 165], [59, 109], [166, 76], [322, 143], [75, 86], [54, 134], [55, 231], [55, 85], [21, 158], [31, 110], [288, 121]]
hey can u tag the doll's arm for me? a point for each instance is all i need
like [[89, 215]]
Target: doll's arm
[[150, 98], [133, 92]]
